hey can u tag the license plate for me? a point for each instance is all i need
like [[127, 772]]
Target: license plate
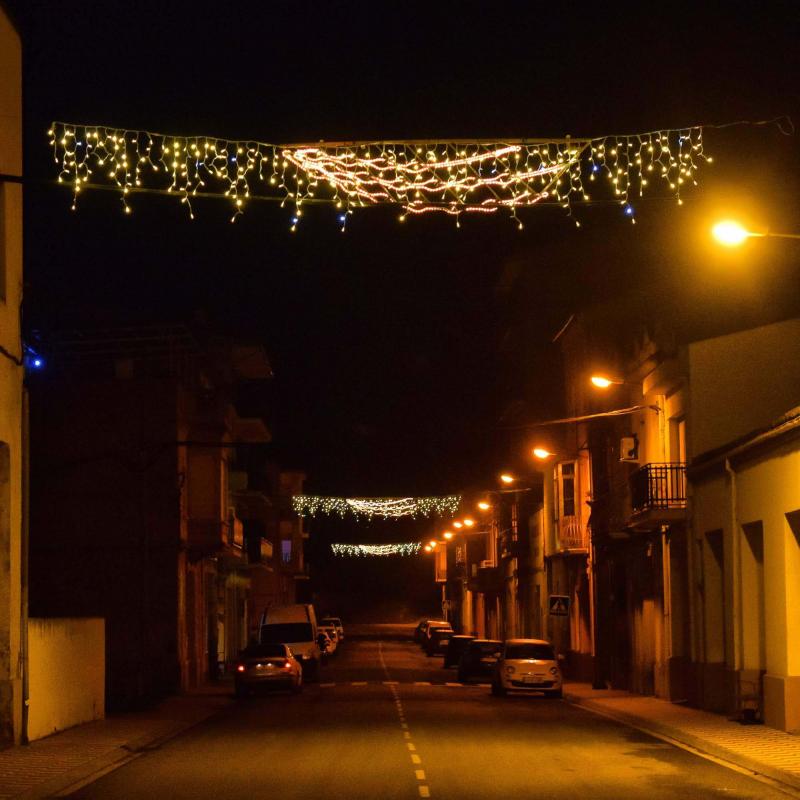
[[532, 679]]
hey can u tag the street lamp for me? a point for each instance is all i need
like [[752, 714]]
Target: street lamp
[[484, 506], [542, 453], [731, 234], [507, 479], [448, 535], [603, 382]]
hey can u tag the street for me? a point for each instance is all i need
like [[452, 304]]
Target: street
[[386, 721]]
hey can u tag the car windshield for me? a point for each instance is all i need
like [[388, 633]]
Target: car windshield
[[264, 651], [487, 648], [540, 652], [284, 632]]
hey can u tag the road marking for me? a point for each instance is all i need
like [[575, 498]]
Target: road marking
[[406, 735], [424, 791], [358, 683], [454, 684], [484, 685], [390, 683], [411, 746], [422, 683], [404, 725], [420, 773], [326, 685], [415, 759]]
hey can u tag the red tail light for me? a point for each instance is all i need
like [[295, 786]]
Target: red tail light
[[240, 668]]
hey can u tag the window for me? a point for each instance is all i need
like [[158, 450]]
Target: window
[[565, 490], [286, 550]]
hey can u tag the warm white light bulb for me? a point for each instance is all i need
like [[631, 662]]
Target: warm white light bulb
[[729, 233]]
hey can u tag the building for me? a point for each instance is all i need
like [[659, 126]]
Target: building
[[13, 620], [135, 513]]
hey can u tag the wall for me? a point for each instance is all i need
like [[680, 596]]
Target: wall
[[741, 382], [10, 383], [67, 673]]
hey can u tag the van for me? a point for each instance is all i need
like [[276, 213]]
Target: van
[[295, 626]]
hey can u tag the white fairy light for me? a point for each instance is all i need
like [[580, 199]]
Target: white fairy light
[[361, 550], [386, 507]]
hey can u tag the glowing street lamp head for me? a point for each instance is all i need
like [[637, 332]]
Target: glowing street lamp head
[[458, 524], [483, 505], [601, 382], [428, 548], [507, 479], [448, 534], [469, 522], [542, 453], [729, 233], [432, 544]]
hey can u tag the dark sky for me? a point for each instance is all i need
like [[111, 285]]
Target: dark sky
[[398, 348]]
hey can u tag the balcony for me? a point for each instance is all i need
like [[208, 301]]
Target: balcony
[[658, 495], [571, 534]]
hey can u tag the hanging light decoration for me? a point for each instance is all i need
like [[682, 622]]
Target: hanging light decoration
[[420, 177], [361, 550], [386, 507]]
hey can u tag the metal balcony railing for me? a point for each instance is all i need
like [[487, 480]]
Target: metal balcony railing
[[658, 486]]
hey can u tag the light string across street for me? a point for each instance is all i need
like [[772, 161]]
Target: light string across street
[[386, 507], [420, 177], [359, 550]]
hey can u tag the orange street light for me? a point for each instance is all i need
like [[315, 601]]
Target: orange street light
[[432, 544], [542, 453], [448, 534], [469, 522], [458, 525], [507, 479], [428, 548], [731, 234], [602, 382], [484, 506]]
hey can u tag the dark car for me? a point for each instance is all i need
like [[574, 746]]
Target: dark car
[[421, 631], [431, 629], [457, 645], [438, 641], [479, 659]]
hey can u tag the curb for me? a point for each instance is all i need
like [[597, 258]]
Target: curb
[[696, 742], [87, 773]]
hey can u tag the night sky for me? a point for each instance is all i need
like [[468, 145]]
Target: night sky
[[400, 350]]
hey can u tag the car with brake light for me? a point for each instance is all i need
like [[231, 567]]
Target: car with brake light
[[527, 665], [263, 666]]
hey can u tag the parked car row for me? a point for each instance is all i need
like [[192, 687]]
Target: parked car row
[[510, 665], [291, 647]]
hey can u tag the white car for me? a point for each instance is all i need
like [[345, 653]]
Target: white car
[[267, 666], [528, 665], [337, 623], [333, 637]]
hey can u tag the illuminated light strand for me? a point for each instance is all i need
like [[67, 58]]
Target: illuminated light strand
[[420, 177], [361, 550], [386, 507]]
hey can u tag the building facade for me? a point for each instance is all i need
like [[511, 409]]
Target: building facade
[[13, 612]]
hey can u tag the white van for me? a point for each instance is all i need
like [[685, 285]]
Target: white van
[[295, 626]]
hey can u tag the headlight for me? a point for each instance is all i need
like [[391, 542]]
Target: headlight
[[510, 670], [554, 670]]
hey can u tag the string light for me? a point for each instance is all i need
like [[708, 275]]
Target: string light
[[386, 507], [361, 550], [420, 177]]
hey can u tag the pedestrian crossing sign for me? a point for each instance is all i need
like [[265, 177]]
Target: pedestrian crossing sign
[[559, 605]]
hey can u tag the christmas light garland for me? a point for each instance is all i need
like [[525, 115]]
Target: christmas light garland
[[386, 507], [450, 177], [361, 550]]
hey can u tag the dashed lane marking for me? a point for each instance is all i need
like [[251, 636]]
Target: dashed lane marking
[[424, 791], [326, 685], [390, 683], [420, 773], [422, 683], [358, 683], [453, 684], [406, 735], [415, 759], [411, 746]]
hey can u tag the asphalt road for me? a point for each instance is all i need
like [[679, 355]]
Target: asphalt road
[[358, 734]]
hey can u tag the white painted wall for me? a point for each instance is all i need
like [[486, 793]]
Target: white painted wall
[[67, 673]]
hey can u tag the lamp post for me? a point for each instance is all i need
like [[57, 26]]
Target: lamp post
[[731, 234]]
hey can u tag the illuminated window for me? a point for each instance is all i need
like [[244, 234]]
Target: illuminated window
[[286, 550], [565, 489]]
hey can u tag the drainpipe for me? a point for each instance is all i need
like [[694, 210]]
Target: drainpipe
[[24, 570], [737, 596]]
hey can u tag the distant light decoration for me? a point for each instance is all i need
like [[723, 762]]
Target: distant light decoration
[[420, 177], [386, 507], [361, 550]]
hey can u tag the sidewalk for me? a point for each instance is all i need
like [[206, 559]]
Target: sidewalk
[[756, 748], [50, 766]]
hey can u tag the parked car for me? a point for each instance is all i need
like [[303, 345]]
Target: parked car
[[337, 623], [438, 642], [479, 659], [422, 628], [333, 638], [527, 665], [431, 627], [456, 646], [295, 626], [267, 666]]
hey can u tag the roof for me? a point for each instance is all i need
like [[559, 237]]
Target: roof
[[787, 425], [527, 641]]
